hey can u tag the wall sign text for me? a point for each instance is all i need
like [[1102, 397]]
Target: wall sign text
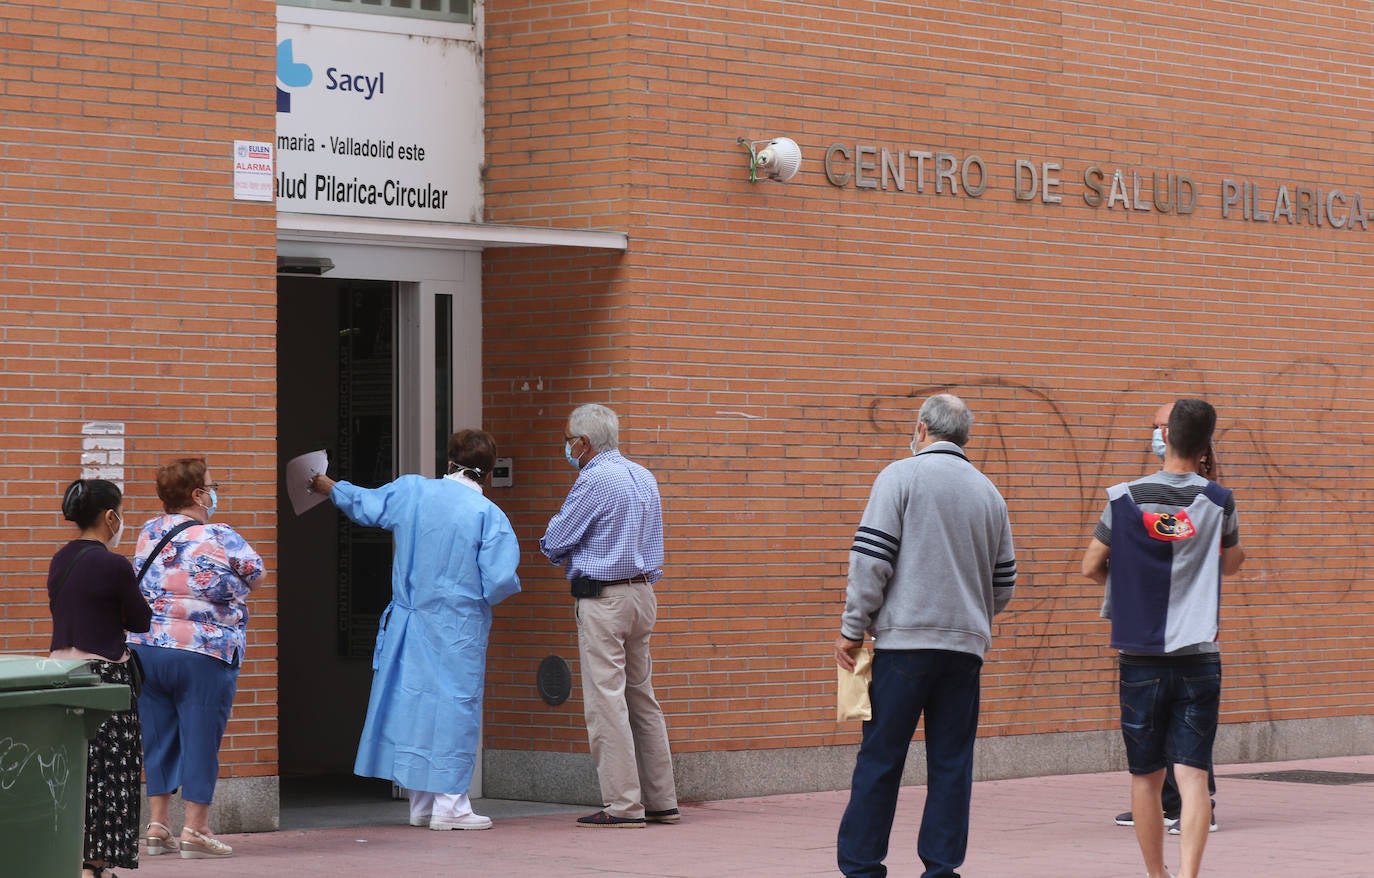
[[1148, 190]]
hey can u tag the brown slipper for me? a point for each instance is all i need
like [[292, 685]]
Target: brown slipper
[[602, 820]]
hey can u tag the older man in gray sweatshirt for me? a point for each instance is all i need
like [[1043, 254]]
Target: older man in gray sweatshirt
[[931, 564]]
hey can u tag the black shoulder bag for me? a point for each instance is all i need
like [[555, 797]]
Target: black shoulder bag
[[162, 544], [136, 674]]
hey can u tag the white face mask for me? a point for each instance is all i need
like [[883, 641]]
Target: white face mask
[[916, 441], [466, 477], [1157, 444], [118, 534]]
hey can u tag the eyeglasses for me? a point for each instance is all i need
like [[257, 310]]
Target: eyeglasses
[[567, 438], [212, 486]]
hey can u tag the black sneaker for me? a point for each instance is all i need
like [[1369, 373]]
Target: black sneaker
[[602, 820], [671, 815]]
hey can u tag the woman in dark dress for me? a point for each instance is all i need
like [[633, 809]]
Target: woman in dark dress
[[94, 600]]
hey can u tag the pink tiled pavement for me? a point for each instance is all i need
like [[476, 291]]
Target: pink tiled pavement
[[1045, 827]]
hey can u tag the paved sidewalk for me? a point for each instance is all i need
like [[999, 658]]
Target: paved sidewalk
[[1047, 827]]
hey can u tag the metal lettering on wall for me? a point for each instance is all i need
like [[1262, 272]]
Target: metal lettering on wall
[[870, 167]]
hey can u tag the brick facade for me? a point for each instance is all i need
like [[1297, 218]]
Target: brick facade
[[135, 289], [767, 344]]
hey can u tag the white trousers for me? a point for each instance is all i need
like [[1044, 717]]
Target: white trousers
[[424, 805]]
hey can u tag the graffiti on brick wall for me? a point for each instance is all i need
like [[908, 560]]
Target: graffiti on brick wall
[[1052, 448]]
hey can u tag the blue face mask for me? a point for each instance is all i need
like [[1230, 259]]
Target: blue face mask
[[567, 453], [214, 504], [1157, 443]]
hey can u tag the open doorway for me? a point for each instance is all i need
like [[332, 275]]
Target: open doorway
[[367, 370], [337, 389]]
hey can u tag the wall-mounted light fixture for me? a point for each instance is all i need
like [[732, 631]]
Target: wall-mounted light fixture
[[307, 265], [779, 159]]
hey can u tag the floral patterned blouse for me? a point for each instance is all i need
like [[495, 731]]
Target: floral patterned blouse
[[198, 587]]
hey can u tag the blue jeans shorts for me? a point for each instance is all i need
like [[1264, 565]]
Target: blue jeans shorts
[[1169, 707]]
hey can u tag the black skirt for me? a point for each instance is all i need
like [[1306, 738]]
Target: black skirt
[[114, 768]]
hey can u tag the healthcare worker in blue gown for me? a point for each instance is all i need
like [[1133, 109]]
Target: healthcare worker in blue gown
[[455, 559]]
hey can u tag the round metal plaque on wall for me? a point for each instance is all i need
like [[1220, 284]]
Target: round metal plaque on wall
[[554, 680]]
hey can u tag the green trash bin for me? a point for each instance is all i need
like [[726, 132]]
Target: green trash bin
[[49, 709]]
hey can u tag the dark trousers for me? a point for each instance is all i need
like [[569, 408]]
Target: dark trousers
[[944, 686], [1169, 797]]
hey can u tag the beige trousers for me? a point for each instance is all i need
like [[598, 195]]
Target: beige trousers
[[625, 727]]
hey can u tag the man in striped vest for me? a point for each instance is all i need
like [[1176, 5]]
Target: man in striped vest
[[1161, 548]]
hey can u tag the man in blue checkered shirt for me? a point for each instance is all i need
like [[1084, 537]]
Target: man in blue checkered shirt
[[609, 538]]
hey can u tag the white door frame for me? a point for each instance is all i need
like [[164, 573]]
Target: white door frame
[[419, 274]]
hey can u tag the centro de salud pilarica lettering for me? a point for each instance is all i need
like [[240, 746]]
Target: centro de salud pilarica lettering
[[391, 193], [869, 167]]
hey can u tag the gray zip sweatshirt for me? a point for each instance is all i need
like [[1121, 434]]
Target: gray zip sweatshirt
[[932, 561]]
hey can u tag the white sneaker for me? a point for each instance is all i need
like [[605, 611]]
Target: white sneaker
[[420, 820], [1175, 829], [463, 821]]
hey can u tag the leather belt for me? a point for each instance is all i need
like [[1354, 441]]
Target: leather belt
[[642, 578]]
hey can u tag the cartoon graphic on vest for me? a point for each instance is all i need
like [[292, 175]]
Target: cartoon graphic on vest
[[1169, 526]]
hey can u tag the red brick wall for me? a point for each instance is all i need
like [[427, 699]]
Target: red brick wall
[[767, 344], [135, 289]]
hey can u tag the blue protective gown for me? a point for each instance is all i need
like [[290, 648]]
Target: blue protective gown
[[455, 558]]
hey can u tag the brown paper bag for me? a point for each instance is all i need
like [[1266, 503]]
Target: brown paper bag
[[853, 700]]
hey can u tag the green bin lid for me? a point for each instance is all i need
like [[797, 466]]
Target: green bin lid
[[40, 672]]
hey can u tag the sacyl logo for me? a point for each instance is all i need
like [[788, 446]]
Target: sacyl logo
[[356, 82], [293, 74], [290, 74]]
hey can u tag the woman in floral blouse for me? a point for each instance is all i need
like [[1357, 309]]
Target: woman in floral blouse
[[198, 585]]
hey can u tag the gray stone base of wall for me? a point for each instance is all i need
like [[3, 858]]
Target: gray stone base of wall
[[252, 804], [570, 777], [242, 804]]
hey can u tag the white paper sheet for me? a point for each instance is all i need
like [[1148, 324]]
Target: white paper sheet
[[299, 472]]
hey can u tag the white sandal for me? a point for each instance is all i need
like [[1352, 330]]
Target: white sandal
[[202, 847], [158, 844]]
